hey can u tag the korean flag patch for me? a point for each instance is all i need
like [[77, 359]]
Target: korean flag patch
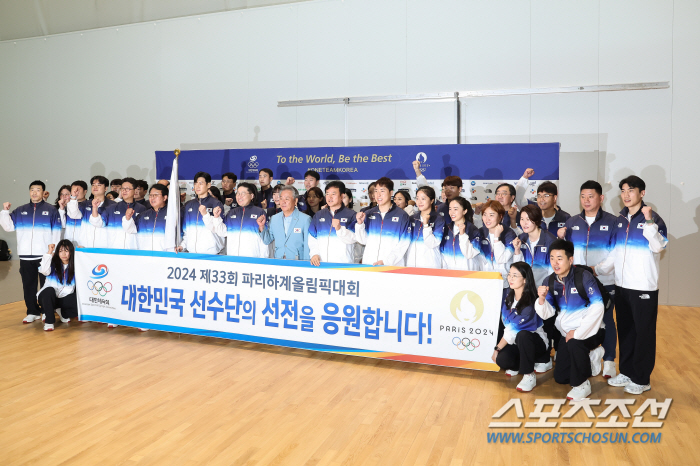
[[343, 220], [640, 226], [297, 230], [561, 224], [542, 248], [574, 290], [321, 219], [603, 228], [44, 213], [394, 219], [251, 216]]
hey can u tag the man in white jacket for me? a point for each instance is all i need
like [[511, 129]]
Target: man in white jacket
[[639, 237]]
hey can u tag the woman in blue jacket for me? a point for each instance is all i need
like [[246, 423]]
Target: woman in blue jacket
[[523, 348]]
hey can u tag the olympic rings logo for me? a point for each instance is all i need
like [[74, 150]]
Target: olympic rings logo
[[252, 164], [99, 288], [466, 343]]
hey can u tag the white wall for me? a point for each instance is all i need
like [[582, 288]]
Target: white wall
[[102, 101]]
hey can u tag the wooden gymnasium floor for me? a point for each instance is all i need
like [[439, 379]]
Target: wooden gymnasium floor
[[87, 395]]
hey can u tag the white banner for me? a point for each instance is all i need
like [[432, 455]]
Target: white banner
[[429, 316]]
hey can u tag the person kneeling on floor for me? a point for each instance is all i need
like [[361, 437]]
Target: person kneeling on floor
[[58, 293], [580, 320], [523, 348]]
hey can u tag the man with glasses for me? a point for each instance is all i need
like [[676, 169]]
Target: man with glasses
[[149, 226], [91, 237], [553, 218], [506, 196], [113, 217]]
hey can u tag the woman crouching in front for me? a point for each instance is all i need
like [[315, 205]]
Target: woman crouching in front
[[523, 348]]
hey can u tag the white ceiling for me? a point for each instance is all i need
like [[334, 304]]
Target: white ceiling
[[31, 18]]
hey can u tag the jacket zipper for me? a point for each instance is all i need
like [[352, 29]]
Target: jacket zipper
[[415, 249], [381, 228], [330, 230], [240, 230], [624, 253], [31, 243], [154, 231]]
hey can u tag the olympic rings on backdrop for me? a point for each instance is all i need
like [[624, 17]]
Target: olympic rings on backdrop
[[466, 343], [98, 288]]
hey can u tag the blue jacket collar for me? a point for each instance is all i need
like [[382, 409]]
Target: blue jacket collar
[[625, 211]]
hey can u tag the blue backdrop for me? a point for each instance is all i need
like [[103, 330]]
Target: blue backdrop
[[468, 161]]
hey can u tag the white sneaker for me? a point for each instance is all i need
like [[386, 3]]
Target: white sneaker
[[48, 327], [635, 389], [596, 357], [511, 373], [580, 392], [30, 318], [528, 383], [620, 380], [64, 320], [112, 326], [43, 317], [542, 367], [609, 369]]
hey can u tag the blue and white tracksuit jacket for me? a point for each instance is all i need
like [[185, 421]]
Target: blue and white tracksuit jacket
[[385, 238], [52, 278], [424, 250], [592, 244], [526, 319], [240, 228], [113, 220], [459, 252], [637, 246], [197, 237], [90, 236], [559, 221], [148, 228], [537, 257], [37, 226], [71, 225], [496, 256], [329, 244], [574, 315]]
